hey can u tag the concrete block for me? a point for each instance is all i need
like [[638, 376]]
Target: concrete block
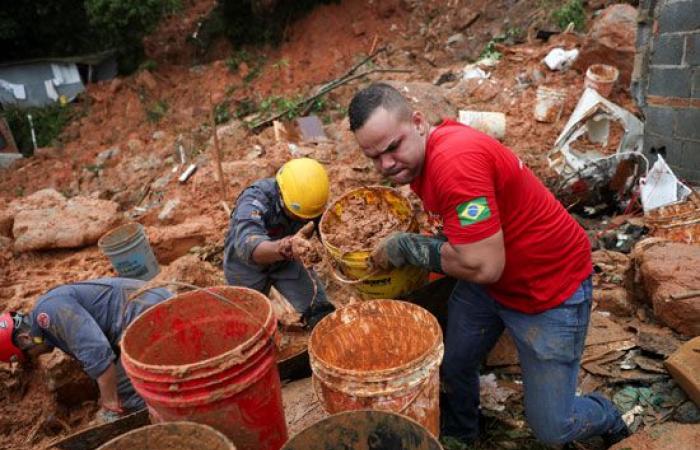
[[668, 50], [695, 88], [679, 16], [684, 367], [670, 82], [659, 120], [692, 48], [664, 143], [688, 124]]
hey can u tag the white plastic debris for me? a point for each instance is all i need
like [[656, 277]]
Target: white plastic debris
[[560, 59], [493, 397], [661, 187], [591, 121]]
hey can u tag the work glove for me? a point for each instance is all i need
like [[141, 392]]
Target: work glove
[[298, 247], [400, 249]]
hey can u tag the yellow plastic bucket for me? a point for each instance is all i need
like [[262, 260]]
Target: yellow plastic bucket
[[355, 264]]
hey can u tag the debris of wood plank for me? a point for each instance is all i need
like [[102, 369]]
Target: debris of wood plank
[[684, 367]]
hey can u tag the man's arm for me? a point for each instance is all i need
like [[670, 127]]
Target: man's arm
[[107, 383], [479, 262]]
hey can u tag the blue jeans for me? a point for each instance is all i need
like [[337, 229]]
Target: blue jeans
[[549, 347]]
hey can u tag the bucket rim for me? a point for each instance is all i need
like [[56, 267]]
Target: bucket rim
[[147, 429], [335, 251], [102, 244], [356, 412], [222, 361], [432, 350]]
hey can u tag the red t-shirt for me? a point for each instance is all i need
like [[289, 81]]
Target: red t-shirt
[[478, 186]]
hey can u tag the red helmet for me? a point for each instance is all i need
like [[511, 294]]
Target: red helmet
[[8, 349]]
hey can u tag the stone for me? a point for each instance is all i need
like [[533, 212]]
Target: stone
[[665, 271], [615, 300], [65, 378], [191, 270], [168, 210], [428, 98], [611, 40], [135, 145], [684, 367], [158, 135], [171, 242], [106, 155], [45, 198], [79, 222]]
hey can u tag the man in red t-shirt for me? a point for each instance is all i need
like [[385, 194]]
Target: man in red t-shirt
[[522, 264]]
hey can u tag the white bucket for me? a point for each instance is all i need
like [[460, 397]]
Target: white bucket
[[549, 104], [129, 252]]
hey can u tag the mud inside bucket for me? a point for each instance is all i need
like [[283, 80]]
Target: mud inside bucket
[[364, 430], [382, 355], [172, 436]]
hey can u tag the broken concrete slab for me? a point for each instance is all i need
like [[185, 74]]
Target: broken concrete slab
[[77, 223], [45, 198], [668, 435], [668, 273], [684, 367], [678, 221], [64, 376], [173, 241]]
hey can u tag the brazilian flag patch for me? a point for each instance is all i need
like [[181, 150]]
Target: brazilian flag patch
[[473, 211]]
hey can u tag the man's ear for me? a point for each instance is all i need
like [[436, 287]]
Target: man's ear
[[418, 120]]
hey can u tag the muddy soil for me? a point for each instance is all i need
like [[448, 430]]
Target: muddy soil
[[362, 225]]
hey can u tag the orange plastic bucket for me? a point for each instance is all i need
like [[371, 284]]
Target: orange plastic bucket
[[381, 355], [208, 356]]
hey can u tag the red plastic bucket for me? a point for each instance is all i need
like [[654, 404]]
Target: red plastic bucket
[[208, 356]]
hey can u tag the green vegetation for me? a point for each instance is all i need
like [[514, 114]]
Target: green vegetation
[[570, 12], [156, 111], [77, 27], [48, 122], [511, 36]]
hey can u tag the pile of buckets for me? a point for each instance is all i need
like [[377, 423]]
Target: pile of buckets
[[204, 362]]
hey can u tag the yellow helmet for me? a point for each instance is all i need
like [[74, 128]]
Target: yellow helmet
[[304, 187]]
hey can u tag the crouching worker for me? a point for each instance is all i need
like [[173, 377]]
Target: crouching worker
[[85, 320], [269, 229]]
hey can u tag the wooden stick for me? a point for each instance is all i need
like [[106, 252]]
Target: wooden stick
[[689, 294], [217, 152]]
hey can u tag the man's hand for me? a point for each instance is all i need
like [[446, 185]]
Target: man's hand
[[400, 249], [297, 246]]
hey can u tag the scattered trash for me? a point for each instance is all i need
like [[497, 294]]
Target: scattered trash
[[491, 123], [598, 153], [6, 159], [602, 78], [661, 187], [310, 129], [493, 396], [560, 59], [167, 211], [549, 104], [476, 70], [187, 173]]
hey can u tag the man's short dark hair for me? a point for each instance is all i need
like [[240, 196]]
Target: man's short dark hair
[[365, 102]]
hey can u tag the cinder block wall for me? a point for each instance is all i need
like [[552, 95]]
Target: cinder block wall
[[666, 81]]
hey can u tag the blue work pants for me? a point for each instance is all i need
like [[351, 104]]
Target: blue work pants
[[549, 346]]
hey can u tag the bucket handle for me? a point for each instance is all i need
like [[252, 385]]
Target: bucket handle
[[132, 297], [423, 386], [340, 278]]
